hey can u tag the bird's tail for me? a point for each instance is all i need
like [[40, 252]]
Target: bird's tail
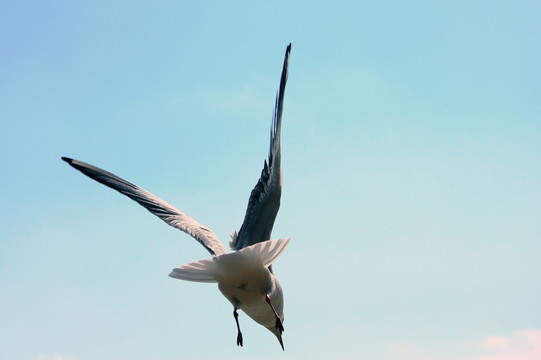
[[208, 270], [198, 271], [267, 251]]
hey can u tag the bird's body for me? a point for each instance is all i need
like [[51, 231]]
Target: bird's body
[[245, 279], [245, 276]]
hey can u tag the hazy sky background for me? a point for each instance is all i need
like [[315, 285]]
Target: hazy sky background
[[411, 149]]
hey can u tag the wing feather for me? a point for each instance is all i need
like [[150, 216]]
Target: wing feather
[[155, 205], [264, 199]]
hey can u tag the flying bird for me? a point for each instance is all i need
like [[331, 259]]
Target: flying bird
[[244, 276]]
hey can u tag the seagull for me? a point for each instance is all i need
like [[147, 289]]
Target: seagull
[[245, 275]]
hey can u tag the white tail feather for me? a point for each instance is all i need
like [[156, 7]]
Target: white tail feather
[[198, 271], [267, 251], [218, 267]]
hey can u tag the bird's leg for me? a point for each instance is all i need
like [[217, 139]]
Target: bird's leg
[[279, 325], [239, 334]]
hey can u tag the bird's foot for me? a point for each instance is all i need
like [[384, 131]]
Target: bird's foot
[[279, 324], [239, 334], [239, 339]]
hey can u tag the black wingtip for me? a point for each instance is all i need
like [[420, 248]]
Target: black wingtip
[[288, 50], [67, 159]]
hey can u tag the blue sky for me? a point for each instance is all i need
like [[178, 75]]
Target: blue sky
[[412, 176]]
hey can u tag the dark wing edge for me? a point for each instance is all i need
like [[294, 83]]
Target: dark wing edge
[[264, 199], [155, 205]]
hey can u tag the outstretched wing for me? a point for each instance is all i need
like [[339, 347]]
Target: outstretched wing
[[155, 205], [264, 200]]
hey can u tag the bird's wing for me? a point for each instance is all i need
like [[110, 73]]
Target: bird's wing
[[264, 200], [155, 205]]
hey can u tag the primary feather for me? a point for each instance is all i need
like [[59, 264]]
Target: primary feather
[[264, 200], [154, 204]]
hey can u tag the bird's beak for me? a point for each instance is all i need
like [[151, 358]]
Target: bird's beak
[[278, 335], [281, 342]]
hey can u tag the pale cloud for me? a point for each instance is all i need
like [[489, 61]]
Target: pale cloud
[[521, 345], [495, 343]]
